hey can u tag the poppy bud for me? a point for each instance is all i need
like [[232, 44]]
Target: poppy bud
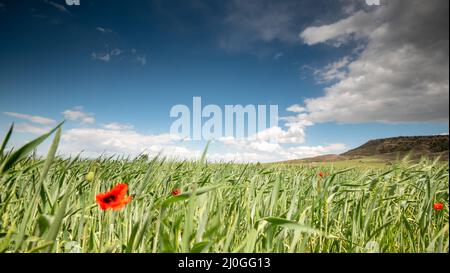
[[90, 176], [176, 192]]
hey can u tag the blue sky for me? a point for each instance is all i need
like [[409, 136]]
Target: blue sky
[[114, 69]]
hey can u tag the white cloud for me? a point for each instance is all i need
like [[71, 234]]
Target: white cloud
[[333, 71], [270, 139], [270, 145], [32, 129], [104, 30], [400, 75], [59, 7], [31, 118], [239, 157], [142, 60], [311, 151], [357, 25], [118, 126], [105, 57], [296, 108], [122, 141], [265, 146], [94, 142], [139, 58], [278, 55], [116, 52], [273, 152], [77, 114]]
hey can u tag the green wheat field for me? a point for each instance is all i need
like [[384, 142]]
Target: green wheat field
[[48, 204]]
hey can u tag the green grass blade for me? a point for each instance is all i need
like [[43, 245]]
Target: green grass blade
[[24, 151], [32, 207], [290, 225], [5, 141]]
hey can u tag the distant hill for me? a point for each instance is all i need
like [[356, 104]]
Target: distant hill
[[320, 158], [388, 149], [417, 145]]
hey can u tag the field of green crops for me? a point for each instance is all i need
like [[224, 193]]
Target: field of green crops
[[49, 205]]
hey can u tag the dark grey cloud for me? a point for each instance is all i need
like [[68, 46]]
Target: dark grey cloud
[[402, 74]]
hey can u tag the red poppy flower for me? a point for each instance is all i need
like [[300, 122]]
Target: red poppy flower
[[438, 206], [115, 198], [322, 174], [176, 192]]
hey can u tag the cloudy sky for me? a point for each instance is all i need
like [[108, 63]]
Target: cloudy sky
[[341, 72]]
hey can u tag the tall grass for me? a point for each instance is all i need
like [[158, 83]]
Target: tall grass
[[48, 205]]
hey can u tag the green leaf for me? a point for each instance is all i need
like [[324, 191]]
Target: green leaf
[[32, 207], [44, 222], [201, 247], [40, 247], [205, 151], [186, 195], [251, 241], [25, 150], [134, 231], [5, 141], [54, 228], [174, 199], [4, 243], [290, 225], [140, 235]]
